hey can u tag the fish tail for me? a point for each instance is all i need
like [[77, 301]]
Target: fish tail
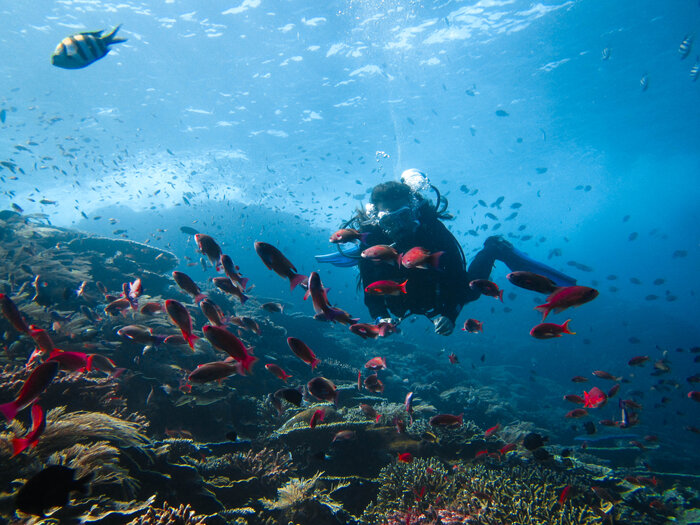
[[19, 445], [190, 338], [402, 286], [435, 260], [110, 37], [565, 327], [500, 295], [376, 419], [244, 282], [248, 362], [544, 309], [199, 298], [9, 410], [295, 280], [244, 298], [363, 237], [315, 363]]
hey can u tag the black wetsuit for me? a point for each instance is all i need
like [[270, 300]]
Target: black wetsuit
[[429, 292]]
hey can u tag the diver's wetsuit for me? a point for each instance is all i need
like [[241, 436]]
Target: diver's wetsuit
[[429, 292]]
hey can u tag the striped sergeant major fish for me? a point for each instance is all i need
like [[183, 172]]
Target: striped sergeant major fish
[[695, 70], [82, 49], [685, 46]]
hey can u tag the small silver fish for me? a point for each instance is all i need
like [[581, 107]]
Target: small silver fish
[[606, 53], [644, 82], [695, 70]]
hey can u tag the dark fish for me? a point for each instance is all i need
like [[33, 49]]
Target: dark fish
[[323, 389], [487, 287], [501, 113], [541, 170], [303, 352], [181, 318], [214, 371], [226, 285], [278, 263], [226, 341], [208, 246], [231, 271], [212, 312], [50, 488], [82, 49], [446, 420], [373, 384], [188, 230], [272, 307], [533, 441], [12, 313], [532, 281], [188, 286], [292, 395], [551, 330]]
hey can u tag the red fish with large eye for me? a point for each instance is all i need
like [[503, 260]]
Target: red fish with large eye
[[551, 330], [386, 288], [486, 287]]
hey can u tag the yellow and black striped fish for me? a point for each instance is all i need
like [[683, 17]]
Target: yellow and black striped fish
[[82, 49]]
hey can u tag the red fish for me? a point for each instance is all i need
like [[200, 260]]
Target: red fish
[[551, 330], [323, 389], [595, 398], [370, 412], [532, 281], [347, 235], [613, 390], [579, 379], [473, 326], [487, 287], [212, 312], [278, 263], [638, 361], [229, 343], [446, 420], [386, 288], [566, 297], [373, 384], [277, 371], [32, 388], [573, 398], [151, 308], [71, 361], [19, 445], [317, 417], [188, 286], [10, 310], [118, 306], [694, 395], [214, 371], [608, 423], [453, 359], [365, 330], [491, 431], [181, 318], [576, 413], [208, 246], [231, 271], [41, 338], [507, 448], [303, 352], [418, 257], [381, 253], [565, 494], [319, 297], [405, 457], [376, 363]]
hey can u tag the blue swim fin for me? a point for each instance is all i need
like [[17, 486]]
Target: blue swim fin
[[342, 259], [517, 261]]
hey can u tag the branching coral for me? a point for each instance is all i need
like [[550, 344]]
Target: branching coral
[[166, 515], [303, 492], [425, 491], [267, 466]]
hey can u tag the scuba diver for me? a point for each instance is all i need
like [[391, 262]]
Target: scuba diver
[[400, 217]]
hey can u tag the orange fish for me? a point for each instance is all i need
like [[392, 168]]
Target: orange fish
[[376, 363], [347, 235]]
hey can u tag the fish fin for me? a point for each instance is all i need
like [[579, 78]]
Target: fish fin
[[110, 37], [544, 309], [402, 286], [199, 298], [19, 445], [9, 410], [435, 260], [500, 295], [296, 280], [248, 362]]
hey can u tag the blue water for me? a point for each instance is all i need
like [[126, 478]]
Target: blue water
[[262, 111]]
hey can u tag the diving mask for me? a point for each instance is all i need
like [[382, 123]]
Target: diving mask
[[397, 223]]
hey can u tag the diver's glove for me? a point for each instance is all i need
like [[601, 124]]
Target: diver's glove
[[443, 325]]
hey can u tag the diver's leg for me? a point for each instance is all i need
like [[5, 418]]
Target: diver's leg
[[500, 249]]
